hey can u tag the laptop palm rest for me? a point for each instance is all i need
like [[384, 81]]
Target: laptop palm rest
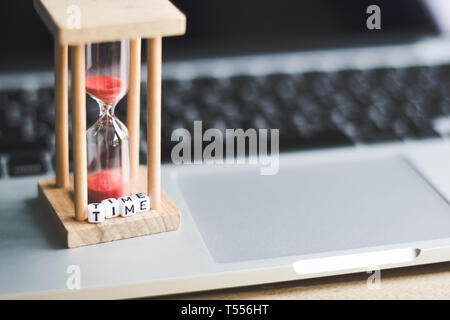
[[315, 208]]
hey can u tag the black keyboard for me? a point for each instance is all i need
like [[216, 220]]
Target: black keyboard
[[312, 110]]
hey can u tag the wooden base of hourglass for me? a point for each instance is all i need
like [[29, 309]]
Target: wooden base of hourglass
[[59, 203]]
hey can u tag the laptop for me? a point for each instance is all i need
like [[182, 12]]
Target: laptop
[[360, 97]]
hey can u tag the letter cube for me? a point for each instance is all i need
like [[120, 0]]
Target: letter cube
[[112, 208], [96, 213], [127, 206], [142, 202]]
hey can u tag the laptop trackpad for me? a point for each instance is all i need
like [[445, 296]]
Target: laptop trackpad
[[242, 215]]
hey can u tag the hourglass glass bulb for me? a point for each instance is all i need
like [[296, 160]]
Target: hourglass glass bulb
[[107, 89], [107, 139]]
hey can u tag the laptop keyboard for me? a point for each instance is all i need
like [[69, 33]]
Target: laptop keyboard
[[312, 110]]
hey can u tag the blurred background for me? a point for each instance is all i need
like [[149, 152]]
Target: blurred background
[[233, 27], [312, 108]]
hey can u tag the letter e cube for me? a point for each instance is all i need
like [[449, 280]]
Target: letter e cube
[[142, 202]]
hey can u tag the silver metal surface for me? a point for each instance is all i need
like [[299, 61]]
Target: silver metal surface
[[385, 205], [343, 201]]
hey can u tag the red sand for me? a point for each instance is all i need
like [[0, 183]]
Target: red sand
[[107, 89], [106, 184]]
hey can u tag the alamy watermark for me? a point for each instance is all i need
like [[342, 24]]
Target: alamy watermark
[[73, 17], [251, 141], [374, 280], [373, 22], [73, 281]]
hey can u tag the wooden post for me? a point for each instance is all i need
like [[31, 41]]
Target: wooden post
[[134, 105], [154, 61], [61, 116], [79, 131]]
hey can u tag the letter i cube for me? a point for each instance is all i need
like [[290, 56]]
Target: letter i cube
[[96, 213], [112, 208], [142, 202], [127, 206]]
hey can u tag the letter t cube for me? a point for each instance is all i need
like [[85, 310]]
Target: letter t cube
[[96, 213]]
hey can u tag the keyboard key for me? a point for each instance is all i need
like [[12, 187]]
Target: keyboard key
[[248, 88], [231, 113], [13, 114], [369, 133], [404, 129], [191, 114], [259, 122], [26, 163], [323, 139]]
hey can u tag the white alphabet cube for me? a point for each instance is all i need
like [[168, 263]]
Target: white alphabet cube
[[96, 213], [142, 202], [112, 208], [127, 206]]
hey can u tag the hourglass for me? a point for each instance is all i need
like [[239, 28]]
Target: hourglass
[[104, 38], [107, 139]]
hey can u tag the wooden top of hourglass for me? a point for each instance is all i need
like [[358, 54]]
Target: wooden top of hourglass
[[82, 21]]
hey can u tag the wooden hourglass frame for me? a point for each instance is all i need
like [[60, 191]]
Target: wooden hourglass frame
[[105, 21]]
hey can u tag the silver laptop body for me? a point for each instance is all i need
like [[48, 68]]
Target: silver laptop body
[[326, 212]]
